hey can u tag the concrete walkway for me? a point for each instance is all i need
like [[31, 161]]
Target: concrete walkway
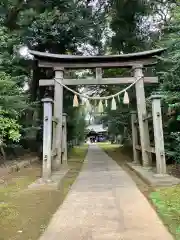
[[105, 204]]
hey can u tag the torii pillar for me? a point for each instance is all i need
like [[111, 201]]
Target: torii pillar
[[47, 131], [58, 114], [141, 109]]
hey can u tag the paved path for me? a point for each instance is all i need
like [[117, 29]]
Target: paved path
[[105, 204]]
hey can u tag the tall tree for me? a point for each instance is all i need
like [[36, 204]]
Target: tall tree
[[55, 26], [169, 73], [126, 24]]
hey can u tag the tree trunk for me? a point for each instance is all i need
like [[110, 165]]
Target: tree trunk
[[3, 154]]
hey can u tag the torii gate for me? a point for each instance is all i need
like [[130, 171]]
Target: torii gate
[[56, 145]]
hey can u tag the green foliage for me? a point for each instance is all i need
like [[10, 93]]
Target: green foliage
[[9, 128], [10, 61], [76, 124], [126, 23], [172, 146], [63, 27], [80, 125], [115, 121], [57, 26], [169, 73], [12, 98], [13, 104], [167, 203]]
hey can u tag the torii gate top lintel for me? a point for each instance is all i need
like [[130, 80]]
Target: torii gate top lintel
[[107, 61]]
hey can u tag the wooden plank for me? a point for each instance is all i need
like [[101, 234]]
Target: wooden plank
[[152, 149], [95, 81], [54, 154], [55, 120], [147, 118], [125, 63], [98, 74], [138, 147], [149, 150], [46, 82]]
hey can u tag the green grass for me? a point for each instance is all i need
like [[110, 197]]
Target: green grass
[[17, 181], [19, 218], [166, 201], [108, 145]]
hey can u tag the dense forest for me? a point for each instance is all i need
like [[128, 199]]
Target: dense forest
[[83, 27]]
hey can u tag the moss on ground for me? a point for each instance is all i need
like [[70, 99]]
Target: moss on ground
[[166, 201], [19, 218]]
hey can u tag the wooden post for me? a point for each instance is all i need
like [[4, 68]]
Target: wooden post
[[47, 138], [64, 142], [98, 75], [143, 125], [158, 135], [134, 137], [58, 112]]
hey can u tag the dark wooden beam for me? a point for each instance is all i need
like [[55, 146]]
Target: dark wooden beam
[[124, 64], [51, 60]]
